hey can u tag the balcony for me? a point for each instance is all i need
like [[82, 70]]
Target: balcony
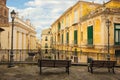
[[46, 39], [75, 43], [66, 43], [46, 46], [90, 46], [58, 43], [116, 46], [75, 23]]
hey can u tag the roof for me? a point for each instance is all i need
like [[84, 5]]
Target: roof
[[46, 31]]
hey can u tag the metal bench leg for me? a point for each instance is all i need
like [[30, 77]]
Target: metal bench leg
[[91, 69], [113, 70], [108, 69], [88, 69], [40, 70], [67, 70]]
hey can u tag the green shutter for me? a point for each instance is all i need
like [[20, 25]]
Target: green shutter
[[75, 37], [117, 34], [59, 26], [90, 34], [62, 38], [67, 37], [75, 52]]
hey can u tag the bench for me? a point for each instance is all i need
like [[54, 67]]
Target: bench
[[54, 63], [100, 64]]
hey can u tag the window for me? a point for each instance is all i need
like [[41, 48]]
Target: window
[[62, 38], [46, 38], [55, 39], [117, 34], [81, 36], [46, 45], [49, 32], [59, 26], [67, 20], [75, 52], [117, 53], [5, 12], [90, 35], [46, 51], [67, 37], [0, 11], [75, 36], [75, 16], [62, 24]]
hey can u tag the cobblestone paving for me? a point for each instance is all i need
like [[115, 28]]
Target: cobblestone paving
[[76, 73]]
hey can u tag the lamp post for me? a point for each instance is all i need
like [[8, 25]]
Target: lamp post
[[108, 25], [13, 14]]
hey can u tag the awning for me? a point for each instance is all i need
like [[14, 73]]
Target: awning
[[1, 29]]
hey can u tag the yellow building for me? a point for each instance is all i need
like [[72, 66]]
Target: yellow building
[[38, 44], [82, 31], [46, 43]]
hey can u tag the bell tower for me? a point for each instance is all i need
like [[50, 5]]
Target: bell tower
[[4, 13], [2, 2]]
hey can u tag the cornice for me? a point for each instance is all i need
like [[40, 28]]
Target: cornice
[[17, 19], [106, 11], [23, 27]]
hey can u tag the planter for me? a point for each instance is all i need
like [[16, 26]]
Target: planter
[[31, 53]]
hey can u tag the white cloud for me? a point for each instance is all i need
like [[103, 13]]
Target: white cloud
[[43, 12]]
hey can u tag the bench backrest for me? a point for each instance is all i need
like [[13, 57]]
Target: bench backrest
[[46, 63], [98, 63], [54, 63], [62, 63]]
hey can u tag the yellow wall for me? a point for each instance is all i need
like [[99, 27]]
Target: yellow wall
[[98, 49], [113, 4]]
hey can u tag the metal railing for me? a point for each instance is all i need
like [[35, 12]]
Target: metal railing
[[34, 55], [18, 55]]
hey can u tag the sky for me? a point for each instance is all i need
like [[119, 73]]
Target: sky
[[42, 13]]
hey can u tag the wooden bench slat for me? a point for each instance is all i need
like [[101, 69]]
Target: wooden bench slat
[[54, 63], [101, 63]]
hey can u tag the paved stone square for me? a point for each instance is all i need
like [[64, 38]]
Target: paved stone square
[[31, 72]]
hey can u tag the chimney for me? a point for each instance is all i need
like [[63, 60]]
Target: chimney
[[28, 21]]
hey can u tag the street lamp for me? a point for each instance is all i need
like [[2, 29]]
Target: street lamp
[[108, 25], [13, 14]]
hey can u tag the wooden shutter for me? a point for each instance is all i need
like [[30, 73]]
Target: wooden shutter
[[90, 34], [62, 38], [67, 37], [75, 37]]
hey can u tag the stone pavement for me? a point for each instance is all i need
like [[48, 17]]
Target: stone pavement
[[31, 72]]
